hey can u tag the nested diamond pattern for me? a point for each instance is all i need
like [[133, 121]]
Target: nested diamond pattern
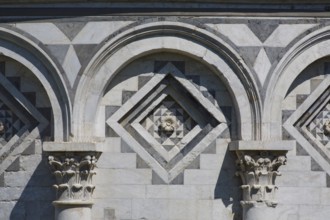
[[316, 125], [168, 122], [183, 123], [11, 122], [21, 121]]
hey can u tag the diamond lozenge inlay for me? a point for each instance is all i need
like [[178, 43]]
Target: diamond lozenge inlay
[[168, 122]]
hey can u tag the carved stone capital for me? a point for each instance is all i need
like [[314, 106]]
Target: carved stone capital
[[258, 163], [258, 171], [74, 174]]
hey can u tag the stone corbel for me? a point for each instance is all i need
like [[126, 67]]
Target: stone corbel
[[73, 167], [257, 164]]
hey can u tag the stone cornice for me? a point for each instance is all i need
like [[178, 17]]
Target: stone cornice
[[59, 8], [170, 1]]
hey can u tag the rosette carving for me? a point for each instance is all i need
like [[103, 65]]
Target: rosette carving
[[258, 171], [326, 128], [168, 124], [74, 174], [2, 128]]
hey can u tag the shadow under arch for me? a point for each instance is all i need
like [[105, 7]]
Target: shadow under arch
[[171, 37], [308, 50], [27, 52], [35, 200]]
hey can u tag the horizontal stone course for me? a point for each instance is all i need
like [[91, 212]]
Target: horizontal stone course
[[26, 163], [123, 176], [117, 160], [218, 162], [180, 192], [122, 207], [311, 212], [299, 195], [120, 191], [164, 209], [297, 163], [27, 194], [23, 178], [302, 179], [112, 144], [209, 177], [200, 177]]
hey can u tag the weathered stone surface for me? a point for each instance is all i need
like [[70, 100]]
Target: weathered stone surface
[[163, 91]]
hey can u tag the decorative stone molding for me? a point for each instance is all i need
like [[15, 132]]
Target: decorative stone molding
[[258, 163], [74, 173]]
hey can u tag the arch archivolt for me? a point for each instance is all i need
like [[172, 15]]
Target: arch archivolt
[[23, 50], [166, 37], [313, 47]]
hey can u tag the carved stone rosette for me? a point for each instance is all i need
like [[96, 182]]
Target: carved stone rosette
[[258, 170], [74, 173]]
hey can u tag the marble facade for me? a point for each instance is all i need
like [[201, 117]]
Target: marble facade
[[197, 116]]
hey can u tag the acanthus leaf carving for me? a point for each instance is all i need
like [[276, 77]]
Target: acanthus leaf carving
[[258, 171], [74, 174]]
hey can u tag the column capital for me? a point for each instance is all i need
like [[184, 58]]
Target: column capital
[[74, 174], [73, 165], [258, 171], [257, 165]]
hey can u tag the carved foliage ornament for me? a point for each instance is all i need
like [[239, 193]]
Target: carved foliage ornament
[[258, 171], [2, 128], [326, 128], [73, 175], [168, 124]]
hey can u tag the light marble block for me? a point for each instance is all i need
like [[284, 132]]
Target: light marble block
[[311, 212], [211, 161], [201, 177], [117, 160], [120, 191], [302, 179], [122, 207], [112, 144], [123, 176], [299, 195], [297, 163], [180, 192], [150, 209]]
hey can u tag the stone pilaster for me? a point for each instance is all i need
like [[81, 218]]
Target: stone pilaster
[[73, 167], [258, 163]]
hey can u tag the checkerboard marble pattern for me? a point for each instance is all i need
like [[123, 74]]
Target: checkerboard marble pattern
[[11, 122], [316, 126], [183, 123]]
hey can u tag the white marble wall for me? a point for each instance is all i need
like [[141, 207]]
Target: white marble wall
[[237, 68]]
